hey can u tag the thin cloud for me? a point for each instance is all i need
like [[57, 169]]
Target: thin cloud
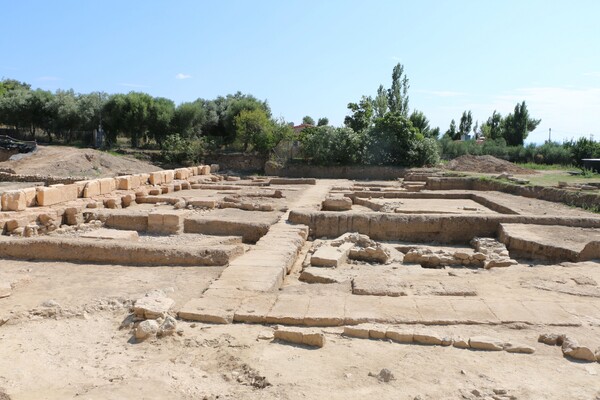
[[133, 85], [595, 74], [182, 76]]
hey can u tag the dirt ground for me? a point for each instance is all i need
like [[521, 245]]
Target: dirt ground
[[66, 330], [67, 323], [485, 164], [64, 161]]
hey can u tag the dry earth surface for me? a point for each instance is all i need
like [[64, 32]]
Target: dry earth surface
[[67, 329], [65, 161]]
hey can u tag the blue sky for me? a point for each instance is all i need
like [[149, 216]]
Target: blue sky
[[313, 57]]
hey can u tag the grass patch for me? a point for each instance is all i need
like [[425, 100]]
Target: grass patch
[[547, 167]]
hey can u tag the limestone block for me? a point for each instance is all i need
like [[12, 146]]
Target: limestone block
[[185, 185], [47, 196], [91, 189], [358, 331], [168, 176], [519, 348], [205, 170], [143, 179], [399, 335], [124, 182], [486, 343], [328, 256], [156, 178], [127, 200], [337, 204], [461, 343], [112, 234], [212, 309], [153, 305], [300, 336], [81, 187], [182, 173], [107, 185], [573, 349], [213, 168], [14, 200], [165, 221], [30, 196], [427, 337]]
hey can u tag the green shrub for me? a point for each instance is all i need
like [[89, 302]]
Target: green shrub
[[178, 150]]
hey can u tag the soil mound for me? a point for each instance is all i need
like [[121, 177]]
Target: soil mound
[[63, 161], [485, 164]]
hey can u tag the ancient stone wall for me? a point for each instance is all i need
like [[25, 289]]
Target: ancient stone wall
[[237, 161], [367, 172]]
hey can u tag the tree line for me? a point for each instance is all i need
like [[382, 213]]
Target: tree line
[[238, 119]]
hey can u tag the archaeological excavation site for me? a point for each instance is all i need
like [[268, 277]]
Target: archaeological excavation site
[[196, 283]]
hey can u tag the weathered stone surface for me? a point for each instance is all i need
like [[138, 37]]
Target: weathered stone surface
[[428, 337], [399, 335], [337, 204], [5, 289], [322, 275], [486, 343], [153, 305], [329, 256], [461, 343], [519, 348], [112, 234], [91, 189], [357, 331], [325, 310], [300, 336], [201, 202], [166, 221], [146, 329], [254, 309], [212, 309], [573, 349], [552, 339], [14, 200]]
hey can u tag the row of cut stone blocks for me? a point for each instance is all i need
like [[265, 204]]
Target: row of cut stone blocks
[[20, 199], [228, 305], [263, 268]]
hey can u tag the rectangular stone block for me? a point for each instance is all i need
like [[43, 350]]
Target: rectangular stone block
[[30, 196], [144, 178], [168, 176], [124, 182], [156, 178], [47, 196], [165, 221], [14, 200], [107, 185], [204, 170], [81, 187], [91, 189], [182, 173], [215, 310]]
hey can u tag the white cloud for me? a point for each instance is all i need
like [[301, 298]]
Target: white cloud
[[133, 85], [595, 74], [182, 76]]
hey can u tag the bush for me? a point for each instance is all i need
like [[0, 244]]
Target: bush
[[326, 145], [178, 150]]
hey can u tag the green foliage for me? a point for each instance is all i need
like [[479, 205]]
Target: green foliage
[[516, 126], [421, 123], [326, 145], [398, 93], [391, 141], [583, 148], [362, 114], [253, 127], [452, 132], [189, 118], [380, 103], [466, 122], [323, 121], [308, 120], [178, 150]]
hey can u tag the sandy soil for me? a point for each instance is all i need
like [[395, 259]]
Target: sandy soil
[[64, 161], [80, 352], [486, 164]]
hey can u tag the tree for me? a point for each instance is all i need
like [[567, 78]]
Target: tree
[[421, 123], [189, 118], [326, 145], [323, 121], [8, 85], [466, 122], [451, 132], [518, 125], [380, 103], [398, 93], [160, 115], [254, 127], [391, 140], [492, 128], [308, 120], [362, 114]]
